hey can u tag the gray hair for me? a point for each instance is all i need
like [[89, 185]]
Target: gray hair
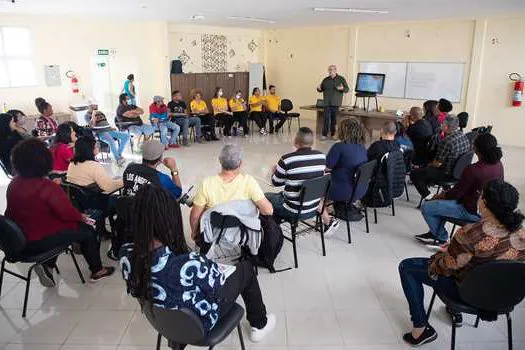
[[452, 122], [231, 157], [390, 128]]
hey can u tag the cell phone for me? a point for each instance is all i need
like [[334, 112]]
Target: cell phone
[[90, 221]]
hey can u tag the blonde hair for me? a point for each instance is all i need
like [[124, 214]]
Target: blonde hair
[[351, 130]]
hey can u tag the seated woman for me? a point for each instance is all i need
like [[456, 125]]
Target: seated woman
[[20, 121], [221, 112], [343, 159], [45, 214], [62, 148], [46, 125], [238, 107], [461, 201], [9, 138], [199, 108], [499, 235], [256, 110], [160, 268]]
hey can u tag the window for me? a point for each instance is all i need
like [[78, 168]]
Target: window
[[16, 58]]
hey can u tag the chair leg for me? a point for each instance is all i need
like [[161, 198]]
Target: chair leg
[[406, 191], [477, 322], [2, 274], [347, 206], [28, 283], [294, 247], [241, 339], [159, 341], [431, 305], [420, 202], [393, 208], [77, 267], [321, 226], [375, 216], [509, 330], [57, 270], [453, 229], [453, 338], [366, 221]]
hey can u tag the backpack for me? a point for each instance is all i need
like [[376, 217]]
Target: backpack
[[271, 244]]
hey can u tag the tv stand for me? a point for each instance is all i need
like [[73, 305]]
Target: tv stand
[[366, 96]]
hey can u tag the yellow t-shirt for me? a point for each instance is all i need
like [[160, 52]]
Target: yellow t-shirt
[[273, 102], [218, 104], [254, 99], [197, 106], [213, 190], [237, 105]]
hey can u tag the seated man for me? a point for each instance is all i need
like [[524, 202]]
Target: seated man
[[230, 184], [291, 171], [449, 150], [129, 115], [461, 202], [273, 106], [178, 112], [419, 131], [158, 116], [137, 175], [386, 144], [100, 126]]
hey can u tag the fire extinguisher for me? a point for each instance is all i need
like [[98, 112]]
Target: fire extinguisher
[[75, 87], [517, 96]]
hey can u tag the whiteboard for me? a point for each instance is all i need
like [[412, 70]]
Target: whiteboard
[[395, 76], [426, 81]]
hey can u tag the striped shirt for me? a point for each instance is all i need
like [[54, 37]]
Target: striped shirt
[[292, 170]]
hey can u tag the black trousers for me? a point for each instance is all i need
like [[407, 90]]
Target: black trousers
[[244, 282], [276, 116], [423, 177], [242, 118], [259, 118], [208, 121], [227, 122], [85, 236]]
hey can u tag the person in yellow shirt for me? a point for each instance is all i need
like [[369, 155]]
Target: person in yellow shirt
[[199, 108], [257, 103], [238, 108], [221, 112], [273, 106]]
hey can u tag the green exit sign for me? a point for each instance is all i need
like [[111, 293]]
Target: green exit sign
[[103, 52]]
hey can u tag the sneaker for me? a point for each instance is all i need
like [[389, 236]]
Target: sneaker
[[428, 336], [121, 161], [324, 138], [111, 254], [258, 335], [214, 138], [426, 238], [106, 272], [436, 245], [330, 229], [456, 318], [45, 276], [175, 145], [201, 140], [185, 143], [263, 131]]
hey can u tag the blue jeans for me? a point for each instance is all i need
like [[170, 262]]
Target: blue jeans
[[277, 201], [163, 127], [414, 274], [435, 211], [109, 137], [330, 115], [144, 129], [185, 122]]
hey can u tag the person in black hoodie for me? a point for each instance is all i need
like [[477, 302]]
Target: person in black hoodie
[[9, 138]]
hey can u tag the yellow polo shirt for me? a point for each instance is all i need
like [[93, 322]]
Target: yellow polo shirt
[[255, 99], [218, 104], [237, 105], [213, 190], [197, 106], [273, 102]]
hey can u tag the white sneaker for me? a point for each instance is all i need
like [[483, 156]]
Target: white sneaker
[[330, 229], [258, 335], [263, 131]]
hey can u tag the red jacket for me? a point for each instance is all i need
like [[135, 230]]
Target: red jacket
[[62, 155], [40, 207]]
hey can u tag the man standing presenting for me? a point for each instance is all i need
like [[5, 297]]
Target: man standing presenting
[[333, 87]]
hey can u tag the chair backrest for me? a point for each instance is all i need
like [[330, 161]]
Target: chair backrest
[[81, 197], [395, 173], [362, 178], [286, 105], [314, 188], [463, 120], [12, 239], [4, 169], [471, 136], [181, 326], [464, 161], [494, 286], [124, 208]]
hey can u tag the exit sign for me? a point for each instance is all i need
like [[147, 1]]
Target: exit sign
[[103, 52]]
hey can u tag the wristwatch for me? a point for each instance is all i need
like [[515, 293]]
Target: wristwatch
[[174, 173]]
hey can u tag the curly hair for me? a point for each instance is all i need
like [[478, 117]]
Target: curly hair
[[352, 131]]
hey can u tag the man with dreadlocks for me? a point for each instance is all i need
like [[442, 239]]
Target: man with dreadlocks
[[159, 267]]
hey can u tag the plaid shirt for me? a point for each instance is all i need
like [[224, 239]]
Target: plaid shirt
[[450, 149]]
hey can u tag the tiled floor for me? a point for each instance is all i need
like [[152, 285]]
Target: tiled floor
[[349, 300]]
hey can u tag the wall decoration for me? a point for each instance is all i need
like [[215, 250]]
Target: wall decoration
[[214, 57], [184, 57], [252, 46], [231, 54]]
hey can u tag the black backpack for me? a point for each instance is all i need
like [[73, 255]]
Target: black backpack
[[271, 244]]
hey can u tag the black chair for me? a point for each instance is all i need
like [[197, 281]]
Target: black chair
[[471, 136], [457, 222], [4, 169], [491, 289], [12, 243], [463, 120], [124, 208], [286, 107], [183, 326], [310, 190]]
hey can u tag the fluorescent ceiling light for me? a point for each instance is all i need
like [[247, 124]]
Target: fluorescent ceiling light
[[197, 17], [347, 10], [251, 19]]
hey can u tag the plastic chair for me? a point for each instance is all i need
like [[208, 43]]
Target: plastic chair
[[311, 190], [183, 326], [491, 289], [13, 242], [286, 107]]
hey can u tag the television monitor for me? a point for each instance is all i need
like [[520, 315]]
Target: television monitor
[[370, 83]]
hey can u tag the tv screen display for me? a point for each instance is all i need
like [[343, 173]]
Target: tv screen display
[[372, 83]]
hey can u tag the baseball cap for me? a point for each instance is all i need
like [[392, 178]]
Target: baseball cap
[[158, 98], [152, 150]]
